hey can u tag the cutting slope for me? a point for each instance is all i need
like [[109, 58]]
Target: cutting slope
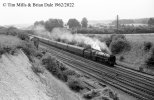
[[19, 82]]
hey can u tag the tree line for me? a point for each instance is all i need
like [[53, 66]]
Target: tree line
[[149, 21], [72, 23], [82, 27]]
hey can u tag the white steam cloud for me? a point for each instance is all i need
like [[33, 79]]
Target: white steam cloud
[[64, 34]]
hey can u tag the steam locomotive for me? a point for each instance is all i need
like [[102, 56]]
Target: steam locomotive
[[89, 53]]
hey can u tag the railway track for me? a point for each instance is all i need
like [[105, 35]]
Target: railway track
[[124, 65], [128, 81]]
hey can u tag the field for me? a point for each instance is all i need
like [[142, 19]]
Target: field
[[140, 37], [137, 55]]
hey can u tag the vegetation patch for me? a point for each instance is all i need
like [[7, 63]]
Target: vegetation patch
[[101, 94], [147, 46], [76, 84], [8, 44], [119, 44], [73, 79], [22, 34], [54, 66], [121, 58], [12, 39], [150, 61], [37, 69]]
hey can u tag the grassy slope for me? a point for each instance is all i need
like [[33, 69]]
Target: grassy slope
[[9, 42], [136, 56], [18, 81]]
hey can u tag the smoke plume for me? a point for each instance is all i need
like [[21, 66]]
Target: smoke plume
[[68, 37]]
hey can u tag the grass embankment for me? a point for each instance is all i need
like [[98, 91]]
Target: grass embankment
[[8, 44], [11, 42]]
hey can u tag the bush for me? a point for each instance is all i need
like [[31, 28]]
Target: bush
[[147, 46], [108, 41], [69, 72], [121, 58], [119, 45], [150, 61], [92, 94], [28, 48], [8, 44], [37, 69], [54, 66], [110, 93], [76, 84], [39, 54], [23, 36], [116, 37]]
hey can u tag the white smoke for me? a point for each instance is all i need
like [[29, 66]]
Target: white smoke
[[64, 34]]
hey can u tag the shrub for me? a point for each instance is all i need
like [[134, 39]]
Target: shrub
[[147, 46], [8, 44], [69, 72], [150, 61], [23, 36], [1, 50], [37, 69], [119, 45], [54, 66], [28, 48], [39, 54], [121, 58], [116, 37], [76, 84], [108, 41], [110, 94], [104, 98], [92, 94]]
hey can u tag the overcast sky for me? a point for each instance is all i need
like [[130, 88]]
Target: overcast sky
[[91, 9]]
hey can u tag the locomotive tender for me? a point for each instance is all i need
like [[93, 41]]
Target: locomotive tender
[[89, 53]]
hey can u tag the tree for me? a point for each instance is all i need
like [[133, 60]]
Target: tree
[[39, 23], [73, 23], [52, 23], [84, 22], [151, 21]]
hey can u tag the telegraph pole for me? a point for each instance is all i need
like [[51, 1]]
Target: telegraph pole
[[117, 24]]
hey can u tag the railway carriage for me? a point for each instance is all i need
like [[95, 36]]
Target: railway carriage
[[89, 53], [52, 43], [75, 49], [61, 45]]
